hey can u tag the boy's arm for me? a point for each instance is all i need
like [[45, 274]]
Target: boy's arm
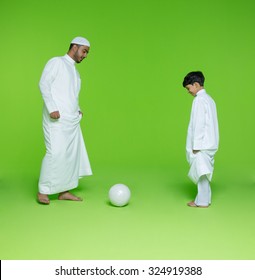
[[199, 122]]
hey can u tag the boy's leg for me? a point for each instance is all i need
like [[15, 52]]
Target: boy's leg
[[203, 197]]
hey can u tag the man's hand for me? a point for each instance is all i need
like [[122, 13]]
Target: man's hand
[[55, 115]]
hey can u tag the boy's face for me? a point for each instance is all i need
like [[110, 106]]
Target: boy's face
[[193, 89]]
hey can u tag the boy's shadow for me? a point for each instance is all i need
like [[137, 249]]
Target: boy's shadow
[[184, 190]]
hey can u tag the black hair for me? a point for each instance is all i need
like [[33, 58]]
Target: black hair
[[71, 45], [193, 77]]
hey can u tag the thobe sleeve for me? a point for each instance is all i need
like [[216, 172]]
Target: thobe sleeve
[[48, 76], [199, 123], [78, 88]]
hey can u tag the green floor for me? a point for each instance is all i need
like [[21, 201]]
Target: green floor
[[135, 111], [156, 224]]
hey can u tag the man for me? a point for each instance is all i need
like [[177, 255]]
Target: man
[[66, 158], [202, 139]]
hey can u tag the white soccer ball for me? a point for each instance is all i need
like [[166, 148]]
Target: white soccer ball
[[119, 195]]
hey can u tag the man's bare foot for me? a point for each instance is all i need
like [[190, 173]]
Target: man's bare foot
[[43, 198], [193, 204], [69, 196]]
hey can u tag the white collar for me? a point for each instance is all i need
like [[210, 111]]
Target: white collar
[[69, 59], [201, 91]]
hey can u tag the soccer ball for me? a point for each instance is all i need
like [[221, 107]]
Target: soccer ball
[[119, 195]]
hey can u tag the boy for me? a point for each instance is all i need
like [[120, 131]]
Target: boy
[[202, 138]]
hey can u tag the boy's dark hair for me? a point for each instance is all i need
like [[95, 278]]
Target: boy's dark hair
[[192, 77]]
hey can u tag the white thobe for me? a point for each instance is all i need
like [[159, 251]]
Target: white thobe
[[66, 158], [203, 135]]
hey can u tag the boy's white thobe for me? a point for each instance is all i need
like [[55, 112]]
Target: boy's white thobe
[[203, 135], [66, 158]]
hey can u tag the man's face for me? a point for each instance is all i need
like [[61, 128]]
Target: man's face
[[193, 89], [80, 53]]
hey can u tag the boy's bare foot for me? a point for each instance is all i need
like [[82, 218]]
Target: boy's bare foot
[[43, 198], [69, 196], [193, 204]]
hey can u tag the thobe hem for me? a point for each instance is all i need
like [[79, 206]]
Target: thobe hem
[[195, 179], [46, 189], [201, 164], [85, 172]]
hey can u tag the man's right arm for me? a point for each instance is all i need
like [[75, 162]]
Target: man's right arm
[[45, 84]]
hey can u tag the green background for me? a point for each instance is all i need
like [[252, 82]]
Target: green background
[[136, 115]]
